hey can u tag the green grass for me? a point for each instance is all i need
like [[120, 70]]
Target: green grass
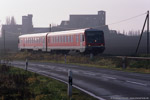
[[140, 66], [18, 84]]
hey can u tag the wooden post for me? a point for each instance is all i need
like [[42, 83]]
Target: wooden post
[[26, 65], [91, 56], [124, 62], [65, 58], [70, 82]]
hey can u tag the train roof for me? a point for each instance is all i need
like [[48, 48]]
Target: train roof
[[58, 33], [67, 32], [33, 35]]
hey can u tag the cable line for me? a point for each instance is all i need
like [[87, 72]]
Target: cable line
[[110, 23], [128, 19]]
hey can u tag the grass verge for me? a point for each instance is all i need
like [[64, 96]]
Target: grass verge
[[140, 66], [18, 84]]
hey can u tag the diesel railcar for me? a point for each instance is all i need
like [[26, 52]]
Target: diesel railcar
[[83, 41]]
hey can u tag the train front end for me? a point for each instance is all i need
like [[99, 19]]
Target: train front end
[[94, 41]]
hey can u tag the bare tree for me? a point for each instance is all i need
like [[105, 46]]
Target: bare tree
[[8, 21], [13, 22]]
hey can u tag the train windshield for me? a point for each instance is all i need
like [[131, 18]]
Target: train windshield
[[94, 37]]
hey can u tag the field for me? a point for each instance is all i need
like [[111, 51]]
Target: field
[[132, 65]]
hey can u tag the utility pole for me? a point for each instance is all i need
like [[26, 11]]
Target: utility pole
[[147, 32], [146, 20]]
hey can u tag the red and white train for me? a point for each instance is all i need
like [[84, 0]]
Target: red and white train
[[84, 41]]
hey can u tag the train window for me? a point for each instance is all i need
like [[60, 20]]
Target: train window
[[77, 38], [80, 37], [68, 38], [43, 40], [37, 40], [62, 38], [25, 40], [51, 39], [54, 39], [71, 38], [32, 40], [65, 39], [59, 39], [29, 40]]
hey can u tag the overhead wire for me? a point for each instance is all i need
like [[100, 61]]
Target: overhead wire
[[110, 23]]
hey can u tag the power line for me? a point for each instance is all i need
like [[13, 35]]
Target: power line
[[128, 19], [111, 23]]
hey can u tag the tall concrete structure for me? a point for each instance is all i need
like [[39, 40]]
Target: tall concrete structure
[[27, 26]]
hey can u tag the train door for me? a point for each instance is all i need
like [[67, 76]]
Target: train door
[[44, 46], [81, 40]]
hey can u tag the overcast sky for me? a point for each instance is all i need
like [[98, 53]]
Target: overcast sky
[[54, 11]]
